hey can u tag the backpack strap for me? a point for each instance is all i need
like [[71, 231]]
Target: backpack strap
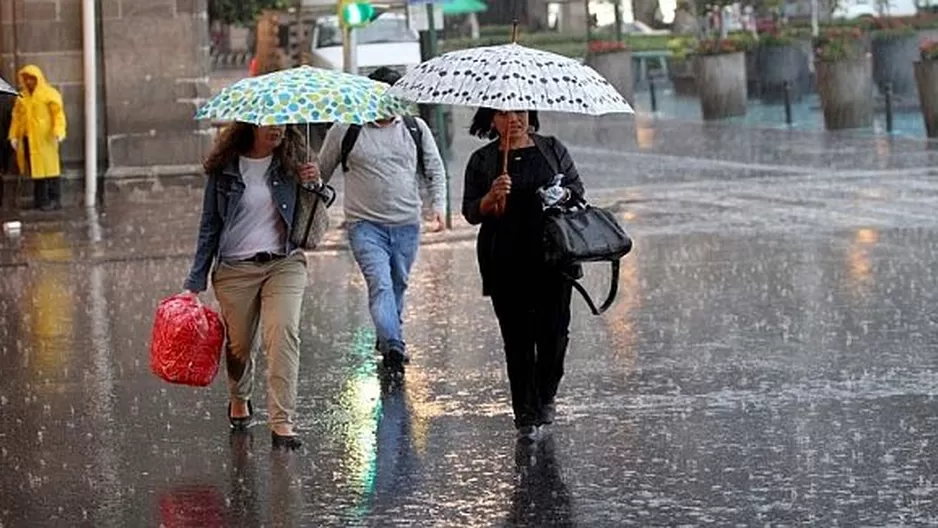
[[351, 136], [417, 134], [348, 142], [610, 297]]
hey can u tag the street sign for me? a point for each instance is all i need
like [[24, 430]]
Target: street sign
[[417, 14]]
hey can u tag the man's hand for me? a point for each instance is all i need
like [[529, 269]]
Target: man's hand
[[15, 144], [439, 222], [309, 173]]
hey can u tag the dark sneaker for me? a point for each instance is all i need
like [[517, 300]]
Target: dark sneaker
[[394, 362], [527, 434]]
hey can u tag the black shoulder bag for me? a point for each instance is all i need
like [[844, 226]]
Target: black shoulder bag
[[576, 232]]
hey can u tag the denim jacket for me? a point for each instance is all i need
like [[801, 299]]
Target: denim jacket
[[223, 192]]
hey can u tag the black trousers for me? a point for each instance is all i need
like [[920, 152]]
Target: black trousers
[[534, 317], [47, 192]]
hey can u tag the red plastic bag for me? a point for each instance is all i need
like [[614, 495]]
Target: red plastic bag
[[186, 343]]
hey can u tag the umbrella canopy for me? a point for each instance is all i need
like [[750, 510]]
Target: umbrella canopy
[[511, 77], [304, 95], [5, 88], [464, 7]]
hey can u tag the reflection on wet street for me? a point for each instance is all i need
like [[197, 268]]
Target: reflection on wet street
[[770, 361]]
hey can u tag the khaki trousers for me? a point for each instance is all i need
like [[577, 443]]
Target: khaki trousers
[[269, 295]]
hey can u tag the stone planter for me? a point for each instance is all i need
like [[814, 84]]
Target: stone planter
[[752, 73], [721, 84], [681, 72], [926, 76], [846, 90], [616, 67], [778, 65], [893, 58]]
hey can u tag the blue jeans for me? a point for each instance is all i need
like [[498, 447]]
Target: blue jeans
[[385, 254]]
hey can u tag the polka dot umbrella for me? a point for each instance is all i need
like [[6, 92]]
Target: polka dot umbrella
[[511, 77], [304, 95]]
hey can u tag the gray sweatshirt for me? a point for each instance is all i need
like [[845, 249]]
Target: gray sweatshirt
[[382, 184]]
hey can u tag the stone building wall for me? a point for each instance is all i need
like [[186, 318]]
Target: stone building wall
[[153, 73]]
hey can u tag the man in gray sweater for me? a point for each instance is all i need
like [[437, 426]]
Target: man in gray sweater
[[383, 177]]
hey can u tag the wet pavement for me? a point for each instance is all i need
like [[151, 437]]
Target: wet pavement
[[770, 360]]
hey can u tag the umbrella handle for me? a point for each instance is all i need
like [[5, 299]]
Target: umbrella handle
[[507, 147]]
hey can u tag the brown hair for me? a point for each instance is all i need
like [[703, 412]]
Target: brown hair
[[237, 139]]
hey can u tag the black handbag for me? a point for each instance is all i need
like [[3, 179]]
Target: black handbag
[[311, 215], [578, 233]]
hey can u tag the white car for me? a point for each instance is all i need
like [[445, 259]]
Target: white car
[[387, 41]]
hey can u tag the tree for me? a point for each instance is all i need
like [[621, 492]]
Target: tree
[[646, 11], [531, 14], [240, 12]]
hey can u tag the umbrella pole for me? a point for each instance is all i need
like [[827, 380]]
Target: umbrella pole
[[514, 31]]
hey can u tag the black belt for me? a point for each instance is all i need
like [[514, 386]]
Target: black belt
[[264, 257]]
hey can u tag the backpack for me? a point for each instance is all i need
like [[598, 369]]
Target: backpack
[[351, 135]]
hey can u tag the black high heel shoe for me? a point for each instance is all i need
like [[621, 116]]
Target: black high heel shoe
[[287, 442], [243, 422]]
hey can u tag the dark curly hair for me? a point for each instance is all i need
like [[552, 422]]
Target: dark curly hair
[[483, 125], [237, 139]]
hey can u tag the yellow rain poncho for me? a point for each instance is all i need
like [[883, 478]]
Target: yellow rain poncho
[[39, 118]]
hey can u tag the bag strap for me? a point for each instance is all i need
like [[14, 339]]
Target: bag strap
[[417, 134], [550, 154], [348, 142], [610, 297]]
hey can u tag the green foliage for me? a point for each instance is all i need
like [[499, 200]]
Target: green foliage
[[681, 47], [240, 12], [929, 50], [567, 44], [836, 44]]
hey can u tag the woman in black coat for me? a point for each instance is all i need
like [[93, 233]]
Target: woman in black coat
[[531, 299]]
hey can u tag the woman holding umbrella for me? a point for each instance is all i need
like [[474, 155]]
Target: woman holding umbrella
[[531, 300], [509, 183], [246, 232]]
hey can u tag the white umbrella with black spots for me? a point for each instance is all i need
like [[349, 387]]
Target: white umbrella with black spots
[[511, 77]]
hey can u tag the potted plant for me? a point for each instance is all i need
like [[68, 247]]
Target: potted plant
[[926, 76], [613, 60], [895, 48], [844, 78], [680, 68], [720, 73], [781, 61], [749, 43]]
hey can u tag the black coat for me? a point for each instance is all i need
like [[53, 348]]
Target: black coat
[[483, 168]]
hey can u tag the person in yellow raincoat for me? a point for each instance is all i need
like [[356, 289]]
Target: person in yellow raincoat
[[37, 128]]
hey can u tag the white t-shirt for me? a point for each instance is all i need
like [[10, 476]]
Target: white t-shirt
[[255, 226]]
